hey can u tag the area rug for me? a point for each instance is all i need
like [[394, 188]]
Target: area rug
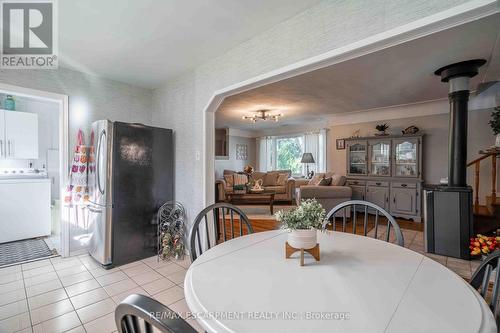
[[19, 251]]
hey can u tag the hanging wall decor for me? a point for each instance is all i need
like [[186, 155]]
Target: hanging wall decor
[[241, 152]]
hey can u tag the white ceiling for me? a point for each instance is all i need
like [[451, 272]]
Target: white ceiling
[[399, 75], [146, 42]]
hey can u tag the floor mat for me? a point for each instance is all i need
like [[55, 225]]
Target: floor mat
[[14, 252]]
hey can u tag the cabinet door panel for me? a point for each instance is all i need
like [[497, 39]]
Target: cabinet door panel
[[406, 157], [404, 201], [358, 192], [378, 195], [380, 158], [3, 152], [21, 133], [357, 158]]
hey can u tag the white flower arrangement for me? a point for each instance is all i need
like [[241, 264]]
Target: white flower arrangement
[[308, 215]]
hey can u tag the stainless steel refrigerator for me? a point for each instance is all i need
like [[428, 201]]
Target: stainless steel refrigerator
[[132, 178]]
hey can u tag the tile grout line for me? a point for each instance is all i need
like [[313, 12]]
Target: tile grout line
[[62, 286], [27, 304], [74, 309]]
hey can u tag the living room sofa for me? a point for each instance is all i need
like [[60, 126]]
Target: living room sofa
[[279, 181], [327, 195]]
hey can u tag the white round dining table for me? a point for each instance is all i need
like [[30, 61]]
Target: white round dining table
[[360, 284]]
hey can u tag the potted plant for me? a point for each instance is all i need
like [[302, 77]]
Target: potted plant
[[303, 223], [495, 125]]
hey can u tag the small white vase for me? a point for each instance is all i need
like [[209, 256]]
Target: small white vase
[[497, 141], [303, 238]]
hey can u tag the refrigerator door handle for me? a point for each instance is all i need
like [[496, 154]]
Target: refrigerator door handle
[[99, 205], [94, 209], [102, 135]]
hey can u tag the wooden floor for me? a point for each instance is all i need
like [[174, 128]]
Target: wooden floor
[[267, 223]]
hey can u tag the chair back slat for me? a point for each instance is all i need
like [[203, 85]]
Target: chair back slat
[[344, 219], [223, 224], [486, 280], [494, 293], [199, 243], [368, 207], [232, 225], [365, 221], [148, 328], [388, 232], [206, 230], [219, 211], [131, 324], [136, 314], [480, 280], [355, 220]]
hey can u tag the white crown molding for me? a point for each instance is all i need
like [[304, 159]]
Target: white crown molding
[[421, 109]]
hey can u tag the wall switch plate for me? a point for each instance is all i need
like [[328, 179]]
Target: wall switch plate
[[197, 155]]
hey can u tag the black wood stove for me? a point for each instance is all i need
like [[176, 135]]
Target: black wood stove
[[448, 208]]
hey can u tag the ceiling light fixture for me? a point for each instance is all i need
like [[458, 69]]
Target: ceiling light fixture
[[263, 115]]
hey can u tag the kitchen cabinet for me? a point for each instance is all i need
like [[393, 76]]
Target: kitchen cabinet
[[25, 207], [20, 135]]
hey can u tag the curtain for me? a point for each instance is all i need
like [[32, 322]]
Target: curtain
[[315, 143], [264, 154]]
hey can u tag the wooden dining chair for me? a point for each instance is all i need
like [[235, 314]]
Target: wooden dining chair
[[372, 215], [481, 280], [142, 314], [219, 212]]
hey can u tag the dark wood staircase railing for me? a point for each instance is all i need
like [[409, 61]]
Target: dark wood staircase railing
[[488, 215]]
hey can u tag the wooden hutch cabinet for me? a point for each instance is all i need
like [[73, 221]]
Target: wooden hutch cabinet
[[387, 170]]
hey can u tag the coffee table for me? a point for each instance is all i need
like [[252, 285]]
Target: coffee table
[[266, 196]]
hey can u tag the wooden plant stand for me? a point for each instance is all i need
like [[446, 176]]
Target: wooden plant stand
[[291, 250]]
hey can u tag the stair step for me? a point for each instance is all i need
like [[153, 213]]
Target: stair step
[[482, 211]]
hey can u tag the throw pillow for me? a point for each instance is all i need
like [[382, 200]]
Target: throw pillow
[[270, 179], [316, 179], [325, 181], [229, 180], [338, 180], [240, 179], [282, 178]]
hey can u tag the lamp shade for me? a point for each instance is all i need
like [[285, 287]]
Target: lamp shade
[[307, 158]]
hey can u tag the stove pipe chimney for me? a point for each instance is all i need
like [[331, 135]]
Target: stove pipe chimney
[[458, 75]]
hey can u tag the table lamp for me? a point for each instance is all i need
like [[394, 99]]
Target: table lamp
[[307, 158]]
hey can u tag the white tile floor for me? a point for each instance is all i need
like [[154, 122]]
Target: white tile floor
[[77, 295]]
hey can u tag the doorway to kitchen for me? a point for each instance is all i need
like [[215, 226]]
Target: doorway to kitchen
[[33, 173]]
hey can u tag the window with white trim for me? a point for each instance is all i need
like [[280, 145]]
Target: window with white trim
[[285, 152]]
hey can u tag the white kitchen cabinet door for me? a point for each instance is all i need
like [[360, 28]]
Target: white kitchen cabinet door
[[3, 144], [21, 134]]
